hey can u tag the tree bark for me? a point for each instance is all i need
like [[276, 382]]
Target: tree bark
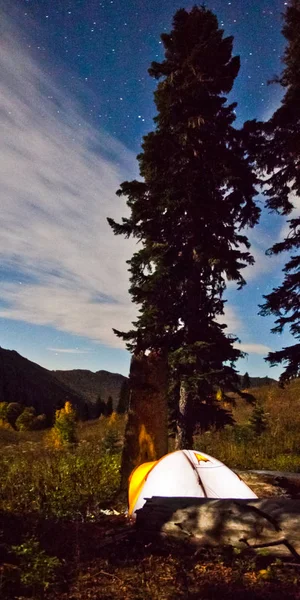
[[146, 433], [184, 436]]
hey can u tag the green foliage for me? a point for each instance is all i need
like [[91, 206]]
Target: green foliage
[[112, 440], [72, 483], [238, 447], [123, 402], [21, 419], [277, 448], [14, 409], [27, 420], [246, 381], [99, 408], [104, 408], [258, 420], [60, 484], [85, 412], [276, 152], [109, 407], [38, 569]]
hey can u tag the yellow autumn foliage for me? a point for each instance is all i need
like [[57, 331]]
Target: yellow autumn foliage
[[113, 419], [63, 431]]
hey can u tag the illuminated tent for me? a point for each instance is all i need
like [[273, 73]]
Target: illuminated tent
[[185, 473]]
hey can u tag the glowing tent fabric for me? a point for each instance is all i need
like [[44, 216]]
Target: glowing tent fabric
[[185, 473]]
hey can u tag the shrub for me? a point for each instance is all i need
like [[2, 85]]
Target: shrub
[[26, 420], [3, 411], [64, 429], [60, 484], [14, 410], [38, 569]]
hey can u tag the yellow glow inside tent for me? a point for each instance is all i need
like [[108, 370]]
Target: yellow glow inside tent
[[200, 457], [137, 480]]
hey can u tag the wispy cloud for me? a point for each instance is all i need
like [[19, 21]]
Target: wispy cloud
[[68, 351], [231, 319], [58, 181], [260, 349]]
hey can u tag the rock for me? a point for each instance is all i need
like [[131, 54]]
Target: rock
[[273, 523]]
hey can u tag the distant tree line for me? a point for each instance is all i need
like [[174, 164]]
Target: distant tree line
[[100, 407], [25, 418]]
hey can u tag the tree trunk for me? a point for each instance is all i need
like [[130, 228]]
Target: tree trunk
[[184, 436], [146, 433]]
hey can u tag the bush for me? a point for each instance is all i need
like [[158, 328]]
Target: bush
[[60, 484], [14, 410], [64, 429], [38, 569], [3, 411], [26, 420]]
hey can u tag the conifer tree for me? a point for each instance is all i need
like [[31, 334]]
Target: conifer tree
[[258, 420], [100, 407], [246, 381], [109, 407], [279, 157], [123, 401], [196, 195]]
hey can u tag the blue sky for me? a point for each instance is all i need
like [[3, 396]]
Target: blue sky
[[75, 101]]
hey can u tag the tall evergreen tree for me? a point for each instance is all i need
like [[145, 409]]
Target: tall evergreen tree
[[99, 407], [246, 381], [123, 401], [109, 407], [196, 195], [280, 159]]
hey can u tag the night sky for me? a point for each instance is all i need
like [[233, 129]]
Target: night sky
[[75, 101]]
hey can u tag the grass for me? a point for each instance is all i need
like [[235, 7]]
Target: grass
[[74, 482], [278, 448]]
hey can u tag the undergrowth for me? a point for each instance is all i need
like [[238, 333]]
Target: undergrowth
[[70, 482], [275, 446]]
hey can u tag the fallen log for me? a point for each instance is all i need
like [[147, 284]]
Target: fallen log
[[272, 523]]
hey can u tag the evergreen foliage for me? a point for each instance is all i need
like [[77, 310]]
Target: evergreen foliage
[[258, 420], [109, 407], [100, 407], [112, 440], [246, 381], [276, 148], [123, 402], [196, 195]]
